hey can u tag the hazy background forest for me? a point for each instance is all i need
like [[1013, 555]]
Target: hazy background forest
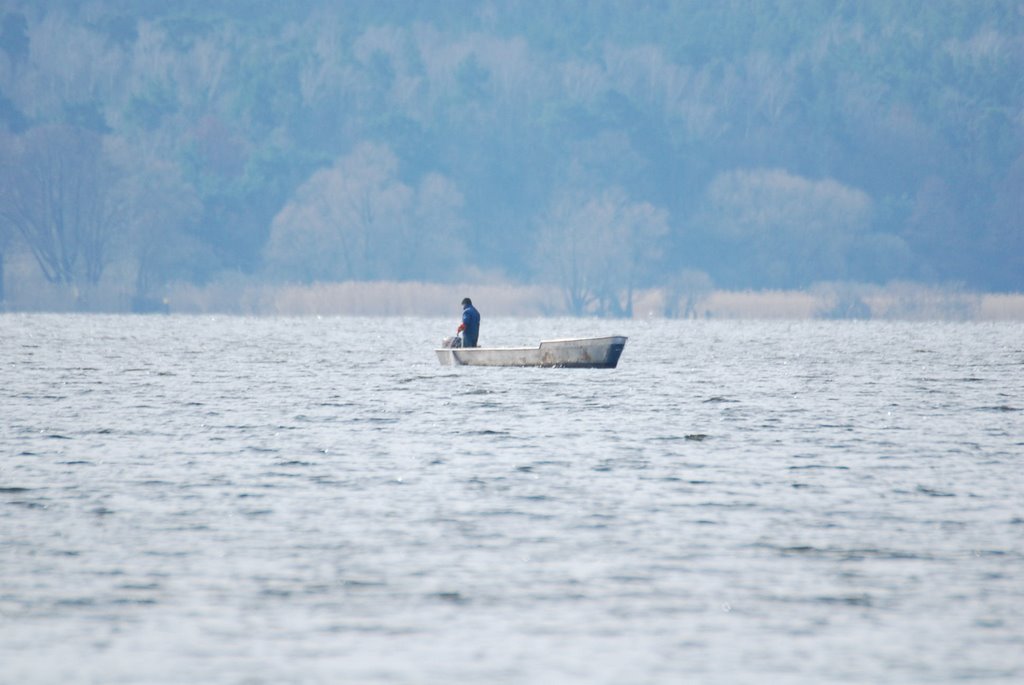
[[154, 152]]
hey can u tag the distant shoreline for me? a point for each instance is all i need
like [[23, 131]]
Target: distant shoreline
[[241, 296], [896, 302]]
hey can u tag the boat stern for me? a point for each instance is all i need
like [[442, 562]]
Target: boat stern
[[447, 357]]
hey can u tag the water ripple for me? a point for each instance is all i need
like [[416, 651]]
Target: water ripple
[[228, 500]]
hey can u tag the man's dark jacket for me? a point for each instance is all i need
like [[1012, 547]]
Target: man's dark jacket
[[471, 319]]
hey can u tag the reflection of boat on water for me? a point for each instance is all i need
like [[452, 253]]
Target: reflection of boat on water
[[579, 353]]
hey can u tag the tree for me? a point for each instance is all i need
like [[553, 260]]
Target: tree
[[163, 211], [599, 248], [6, 229], [916, 104], [58, 191], [5, 241], [357, 221], [1005, 239], [934, 227], [782, 230], [14, 38], [686, 289]]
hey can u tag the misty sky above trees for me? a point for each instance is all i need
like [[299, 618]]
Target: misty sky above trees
[[597, 147]]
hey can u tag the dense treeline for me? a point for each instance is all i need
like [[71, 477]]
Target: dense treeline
[[595, 146]]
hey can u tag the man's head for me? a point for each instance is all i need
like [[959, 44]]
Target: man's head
[[466, 302]]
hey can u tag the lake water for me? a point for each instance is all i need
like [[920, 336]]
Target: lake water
[[304, 500]]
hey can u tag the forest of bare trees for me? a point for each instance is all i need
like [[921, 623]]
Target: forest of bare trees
[[593, 147]]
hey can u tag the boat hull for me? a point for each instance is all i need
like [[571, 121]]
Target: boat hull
[[579, 353]]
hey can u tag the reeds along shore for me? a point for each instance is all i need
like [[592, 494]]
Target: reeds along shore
[[243, 296]]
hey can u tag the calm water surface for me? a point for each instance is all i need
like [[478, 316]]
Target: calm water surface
[[259, 500]]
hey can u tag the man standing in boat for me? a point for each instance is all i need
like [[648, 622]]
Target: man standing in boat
[[470, 326]]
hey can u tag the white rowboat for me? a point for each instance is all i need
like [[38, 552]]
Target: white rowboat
[[578, 353]]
